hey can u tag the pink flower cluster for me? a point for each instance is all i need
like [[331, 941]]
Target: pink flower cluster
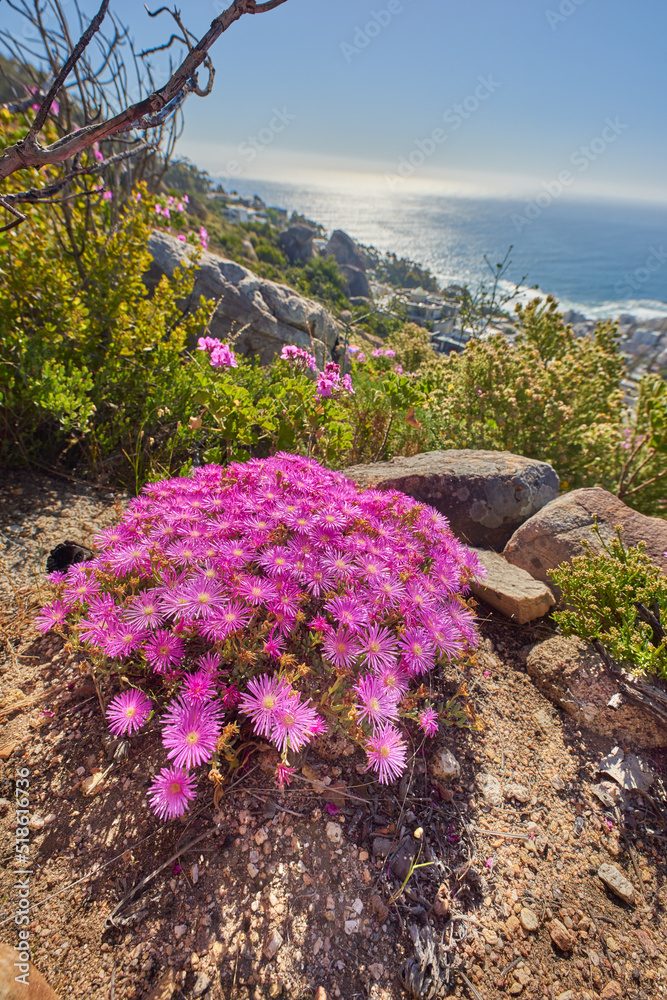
[[382, 352], [330, 381], [220, 355], [298, 357], [210, 580]]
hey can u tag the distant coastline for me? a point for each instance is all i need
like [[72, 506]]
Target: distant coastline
[[599, 260]]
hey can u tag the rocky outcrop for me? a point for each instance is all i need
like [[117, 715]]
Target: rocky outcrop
[[554, 534], [510, 590], [268, 315], [356, 282], [570, 673], [485, 495], [297, 244], [11, 966], [345, 250]]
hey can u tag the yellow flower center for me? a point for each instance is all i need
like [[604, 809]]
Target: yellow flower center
[[175, 788], [192, 738]]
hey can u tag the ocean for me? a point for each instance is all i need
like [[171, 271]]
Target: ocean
[[599, 258]]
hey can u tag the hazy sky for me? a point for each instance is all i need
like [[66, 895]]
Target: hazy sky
[[517, 91]]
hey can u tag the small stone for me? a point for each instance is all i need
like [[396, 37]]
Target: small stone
[[357, 906], [515, 989], [490, 789], [442, 902], [164, 988], [260, 837], [568, 995], [612, 991], [490, 935], [253, 870], [513, 790], [612, 943], [444, 766], [272, 944], [376, 970], [275, 990], [512, 925], [334, 832], [382, 846], [180, 930], [320, 993], [617, 882], [511, 590], [561, 936], [351, 926], [201, 985], [529, 919]]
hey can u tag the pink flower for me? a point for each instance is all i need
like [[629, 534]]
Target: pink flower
[[300, 358], [158, 208], [127, 712], [293, 723], [375, 704], [428, 721], [171, 792], [199, 686], [399, 369], [284, 774], [164, 650], [387, 753], [191, 732], [223, 357], [265, 696], [51, 616], [182, 238]]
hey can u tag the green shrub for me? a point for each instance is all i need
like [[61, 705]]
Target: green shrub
[[603, 591]]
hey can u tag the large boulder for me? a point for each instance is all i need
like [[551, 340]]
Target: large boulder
[[553, 535], [356, 282], [268, 314], [570, 673], [297, 243], [485, 495], [345, 250]]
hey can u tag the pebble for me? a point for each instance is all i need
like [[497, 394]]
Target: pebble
[[334, 833], [272, 944], [612, 991], [490, 789], [561, 936], [201, 985], [617, 882], [444, 766], [529, 919]]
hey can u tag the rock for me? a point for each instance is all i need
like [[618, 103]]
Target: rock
[[356, 282], [334, 832], [490, 789], [617, 882], [272, 944], [382, 846], [66, 554], [572, 675], [345, 250], [529, 919], [513, 790], [403, 857], [612, 991], [442, 903], [201, 985], [297, 244], [249, 250], [38, 988], [567, 995], [320, 993], [511, 590], [485, 495], [444, 766], [626, 770], [553, 535], [180, 930], [273, 314], [561, 936]]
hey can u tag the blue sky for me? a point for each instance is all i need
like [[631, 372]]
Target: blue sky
[[346, 91]]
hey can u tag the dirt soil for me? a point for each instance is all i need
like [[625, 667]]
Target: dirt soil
[[304, 894]]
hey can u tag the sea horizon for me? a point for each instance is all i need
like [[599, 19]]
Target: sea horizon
[[599, 257]]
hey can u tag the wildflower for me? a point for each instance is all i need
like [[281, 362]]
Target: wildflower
[[191, 732], [266, 695], [387, 753], [375, 704], [378, 647], [230, 697], [51, 616], [427, 720], [300, 358], [107, 196], [127, 712], [145, 610], [199, 686], [223, 357], [292, 724], [348, 611], [418, 651], [340, 647], [164, 650], [171, 792], [284, 774]]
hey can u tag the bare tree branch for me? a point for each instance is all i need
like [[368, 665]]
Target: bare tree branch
[[145, 113]]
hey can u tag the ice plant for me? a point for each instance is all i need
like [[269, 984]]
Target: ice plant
[[127, 712], [278, 591]]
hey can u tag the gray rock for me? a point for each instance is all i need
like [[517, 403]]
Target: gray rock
[[490, 789], [553, 535], [511, 590], [403, 857], [382, 846], [444, 766], [617, 882], [297, 244], [345, 250], [356, 282], [270, 315], [334, 832], [486, 495]]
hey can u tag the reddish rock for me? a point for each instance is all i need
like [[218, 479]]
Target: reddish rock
[[485, 495], [553, 535], [612, 991], [572, 675], [38, 988], [561, 936]]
